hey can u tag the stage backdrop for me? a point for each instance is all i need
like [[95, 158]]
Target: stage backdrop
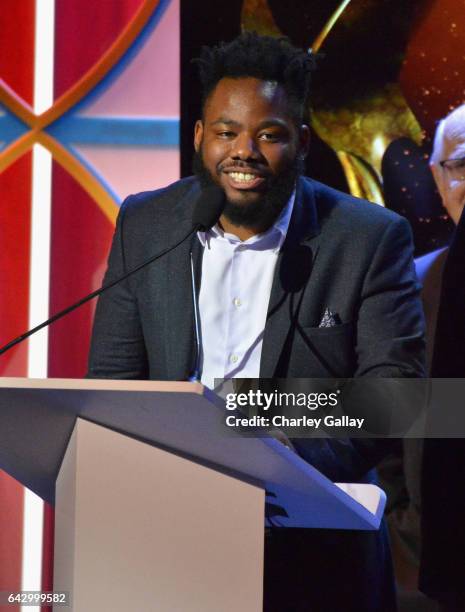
[[89, 113], [387, 70]]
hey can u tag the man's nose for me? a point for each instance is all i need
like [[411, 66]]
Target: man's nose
[[245, 148]]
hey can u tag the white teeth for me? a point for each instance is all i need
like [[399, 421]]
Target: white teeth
[[242, 177]]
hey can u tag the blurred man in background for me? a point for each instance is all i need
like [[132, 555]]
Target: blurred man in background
[[426, 519], [442, 568]]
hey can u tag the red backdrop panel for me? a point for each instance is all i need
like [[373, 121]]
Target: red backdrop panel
[[100, 22], [15, 229], [17, 46], [11, 529], [16, 69], [81, 236]]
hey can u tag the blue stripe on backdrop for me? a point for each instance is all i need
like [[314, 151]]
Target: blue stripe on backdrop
[[160, 132], [90, 168], [11, 127]]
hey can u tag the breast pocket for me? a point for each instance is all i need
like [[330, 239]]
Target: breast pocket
[[328, 351]]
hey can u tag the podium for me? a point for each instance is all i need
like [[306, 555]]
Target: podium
[[158, 504]]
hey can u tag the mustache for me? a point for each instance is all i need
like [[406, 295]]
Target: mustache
[[264, 211], [238, 163]]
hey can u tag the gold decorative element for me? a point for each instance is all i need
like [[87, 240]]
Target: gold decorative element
[[319, 40], [366, 127], [360, 132], [10, 99], [67, 160], [362, 183], [82, 176], [17, 148], [256, 16]]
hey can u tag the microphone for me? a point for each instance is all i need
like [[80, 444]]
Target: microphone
[[208, 208], [207, 211]]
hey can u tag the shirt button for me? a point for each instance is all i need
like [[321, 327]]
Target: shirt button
[[234, 359], [237, 302]]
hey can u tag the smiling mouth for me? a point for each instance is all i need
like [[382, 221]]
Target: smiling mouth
[[242, 177], [244, 180]]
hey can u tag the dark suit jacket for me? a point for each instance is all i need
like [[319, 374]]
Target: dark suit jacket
[[340, 253], [442, 568], [429, 269], [401, 474]]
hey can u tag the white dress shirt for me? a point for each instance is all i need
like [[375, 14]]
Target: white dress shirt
[[234, 294]]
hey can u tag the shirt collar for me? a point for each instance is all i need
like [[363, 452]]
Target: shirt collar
[[273, 238]]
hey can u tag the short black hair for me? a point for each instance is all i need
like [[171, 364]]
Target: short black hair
[[263, 57]]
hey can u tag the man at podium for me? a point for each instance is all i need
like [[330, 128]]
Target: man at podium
[[295, 280]]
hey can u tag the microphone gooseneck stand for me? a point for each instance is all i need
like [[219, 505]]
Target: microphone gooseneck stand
[[207, 211]]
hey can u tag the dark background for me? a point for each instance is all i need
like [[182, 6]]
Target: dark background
[[375, 43]]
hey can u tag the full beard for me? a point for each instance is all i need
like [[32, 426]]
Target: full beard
[[262, 213]]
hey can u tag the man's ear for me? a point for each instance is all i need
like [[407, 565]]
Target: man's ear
[[304, 141], [198, 135]]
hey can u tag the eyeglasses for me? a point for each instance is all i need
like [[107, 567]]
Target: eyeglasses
[[455, 168]]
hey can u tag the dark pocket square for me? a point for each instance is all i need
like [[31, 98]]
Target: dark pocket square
[[330, 319]]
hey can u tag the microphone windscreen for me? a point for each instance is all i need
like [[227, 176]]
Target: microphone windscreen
[[208, 208]]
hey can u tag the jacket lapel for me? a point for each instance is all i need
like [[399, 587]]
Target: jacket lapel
[[179, 313], [293, 269]]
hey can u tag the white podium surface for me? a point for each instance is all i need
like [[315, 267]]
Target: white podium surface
[[159, 505], [37, 418], [139, 528]]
